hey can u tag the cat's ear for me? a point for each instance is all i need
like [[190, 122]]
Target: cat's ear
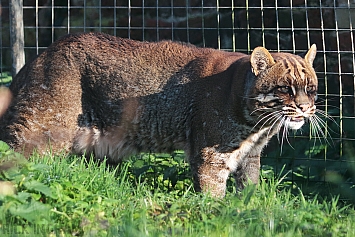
[[311, 54], [260, 60]]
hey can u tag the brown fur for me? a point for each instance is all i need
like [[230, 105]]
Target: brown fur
[[113, 97]]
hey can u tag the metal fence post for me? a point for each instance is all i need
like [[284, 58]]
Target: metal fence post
[[16, 35]]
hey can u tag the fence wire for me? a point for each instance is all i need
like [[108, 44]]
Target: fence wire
[[231, 25]]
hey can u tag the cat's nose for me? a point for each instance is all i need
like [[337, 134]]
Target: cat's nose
[[304, 107]]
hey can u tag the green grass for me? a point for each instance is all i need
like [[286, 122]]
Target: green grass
[[152, 196]]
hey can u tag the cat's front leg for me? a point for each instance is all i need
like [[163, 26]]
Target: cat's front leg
[[248, 171], [210, 172]]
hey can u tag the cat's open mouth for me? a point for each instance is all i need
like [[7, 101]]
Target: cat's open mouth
[[295, 122], [297, 118]]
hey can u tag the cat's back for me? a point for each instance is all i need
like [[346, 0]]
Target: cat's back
[[100, 49], [93, 79], [131, 68], [103, 48], [90, 54]]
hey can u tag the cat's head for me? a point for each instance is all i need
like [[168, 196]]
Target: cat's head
[[284, 89]]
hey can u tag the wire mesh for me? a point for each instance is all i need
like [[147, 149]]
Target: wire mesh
[[231, 25]]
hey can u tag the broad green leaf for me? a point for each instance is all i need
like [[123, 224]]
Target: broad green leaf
[[138, 164], [31, 211], [23, 196], [39, 167], [3, 146], [39, 187]]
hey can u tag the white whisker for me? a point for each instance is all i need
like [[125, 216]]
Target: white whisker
[[314, 130], [275, 116], [319, 124], [285, 132], [279, 127], [267, 117], [327, 116], [260, 109], [287, 117], [273, 123]]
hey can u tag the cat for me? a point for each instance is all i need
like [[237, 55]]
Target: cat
[[92, 93]]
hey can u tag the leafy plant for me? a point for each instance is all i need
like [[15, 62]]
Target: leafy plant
[[164, 171], [152, 195], [21, 196], [5, 78]]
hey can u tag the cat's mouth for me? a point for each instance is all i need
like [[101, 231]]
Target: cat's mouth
[[299, 118], [295, 122]]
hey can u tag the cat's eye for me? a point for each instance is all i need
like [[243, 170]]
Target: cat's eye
[[284, 89]]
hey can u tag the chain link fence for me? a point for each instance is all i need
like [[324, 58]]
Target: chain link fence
[[232, 25]]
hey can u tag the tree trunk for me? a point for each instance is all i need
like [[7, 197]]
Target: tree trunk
[[17, 36]]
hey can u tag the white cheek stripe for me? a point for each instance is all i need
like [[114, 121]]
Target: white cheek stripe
[[293, 90], [266, 98]]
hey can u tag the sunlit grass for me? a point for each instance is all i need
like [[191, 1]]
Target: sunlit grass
[[153, 196]]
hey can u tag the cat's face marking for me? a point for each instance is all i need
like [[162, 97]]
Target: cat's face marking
[[285, 88], [266, 98]]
